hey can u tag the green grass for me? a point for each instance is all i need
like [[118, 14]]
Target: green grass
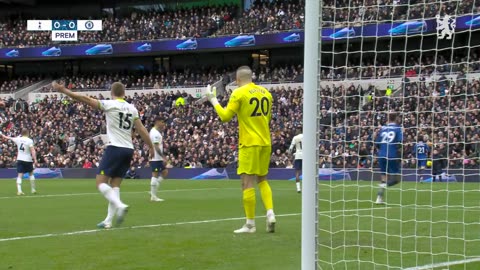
[[353, 232]]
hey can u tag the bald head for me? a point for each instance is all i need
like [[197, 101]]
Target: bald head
[[244, 75], [118, 90]]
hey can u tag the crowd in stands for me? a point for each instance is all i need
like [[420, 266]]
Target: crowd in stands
[[267, 17], [443, 113], [187, 78], [430, 63], [279, 74], [357, 12], [446, 113], [161, 80], [194, 135], [262, 17], [10, 86], [174, 79], [177, 24]]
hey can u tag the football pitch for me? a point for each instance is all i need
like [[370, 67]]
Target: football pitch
[[192, 228]]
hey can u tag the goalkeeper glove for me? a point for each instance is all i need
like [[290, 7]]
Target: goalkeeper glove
[[211, 95]]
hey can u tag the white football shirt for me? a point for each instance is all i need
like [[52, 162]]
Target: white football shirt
[[120, 117], [297, 143], [157, 138], [24, 146]]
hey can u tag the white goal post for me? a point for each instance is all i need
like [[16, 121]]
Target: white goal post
[[310, 139]]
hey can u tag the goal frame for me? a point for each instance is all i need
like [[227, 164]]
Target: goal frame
[[310, 138]]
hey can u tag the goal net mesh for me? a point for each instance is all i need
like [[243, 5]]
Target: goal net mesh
[[387, 56]]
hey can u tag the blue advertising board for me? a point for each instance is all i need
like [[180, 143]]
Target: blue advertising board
[[145, 47], [451, 175], [415, 27]]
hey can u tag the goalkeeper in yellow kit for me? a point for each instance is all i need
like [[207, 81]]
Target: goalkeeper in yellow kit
[[252, 104]]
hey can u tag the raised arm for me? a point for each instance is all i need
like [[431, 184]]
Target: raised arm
[[5, 137], [142, 131], [225, 114], [94, 103]]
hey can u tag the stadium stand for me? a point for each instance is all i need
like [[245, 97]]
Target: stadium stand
[[141, 80], [388, 10], [177, 24], [195, 138], [187, 78], [267, 17], [10, 86], [262, 17], [424, 107]]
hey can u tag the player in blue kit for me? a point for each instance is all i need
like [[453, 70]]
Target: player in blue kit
[[421, 153], [389, 143], [121, 117]]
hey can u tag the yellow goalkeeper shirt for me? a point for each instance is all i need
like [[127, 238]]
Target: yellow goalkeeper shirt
[[253, 106]]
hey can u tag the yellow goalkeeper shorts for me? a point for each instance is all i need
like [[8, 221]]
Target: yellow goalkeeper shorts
[[254, 160]]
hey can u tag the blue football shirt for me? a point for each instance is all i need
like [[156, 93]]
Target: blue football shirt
[[389, 140]]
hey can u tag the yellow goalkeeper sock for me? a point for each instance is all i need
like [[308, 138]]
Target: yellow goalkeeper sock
[[249, 203], [266, 192]]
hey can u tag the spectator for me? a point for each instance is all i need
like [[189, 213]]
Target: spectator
[[132, 173], [87, 164]]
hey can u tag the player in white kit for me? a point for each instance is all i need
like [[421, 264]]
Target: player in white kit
[[26, 157], [297, 143], [121, 118], [157, 162]]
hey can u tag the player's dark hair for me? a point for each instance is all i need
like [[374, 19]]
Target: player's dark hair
[[158, 118], [392, 117], [299, 129], [118, 89]]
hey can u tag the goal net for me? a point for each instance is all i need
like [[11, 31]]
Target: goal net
[[421, 60]]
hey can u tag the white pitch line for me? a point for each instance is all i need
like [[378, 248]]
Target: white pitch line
[[443, 264], [164, 225], [97, 193], [444, 207]]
